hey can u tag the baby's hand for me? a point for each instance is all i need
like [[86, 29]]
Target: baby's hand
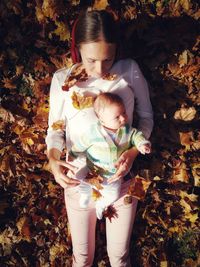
[[145, 149]]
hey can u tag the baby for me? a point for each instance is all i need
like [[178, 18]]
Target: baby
[[102, 145]]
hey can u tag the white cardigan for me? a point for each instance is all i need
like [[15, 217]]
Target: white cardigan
[[130, 85]]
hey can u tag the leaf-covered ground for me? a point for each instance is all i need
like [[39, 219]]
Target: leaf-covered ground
[[163, 37]]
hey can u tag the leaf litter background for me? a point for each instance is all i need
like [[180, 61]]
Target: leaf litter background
[[162, 36]]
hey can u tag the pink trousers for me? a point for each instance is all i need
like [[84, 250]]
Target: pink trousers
[[82, 223]]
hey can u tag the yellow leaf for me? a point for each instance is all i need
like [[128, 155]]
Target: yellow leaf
[[62, 31], [49, 8], [186, 206], [100, 4], [180, 172], [183, 58], [39, 14], [192, 197], [95, 194], [19, 70], [185, 4], [185, 114], [81, 101], [6, 116], [75, 2], [163, 264], [58, 125], [180, 176], [192, 217], [196, 173], [186, 139], [18, 129], [29, 141], [130, 12]]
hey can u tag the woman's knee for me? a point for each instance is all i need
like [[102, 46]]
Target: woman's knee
[[82, 256], [118, 255]]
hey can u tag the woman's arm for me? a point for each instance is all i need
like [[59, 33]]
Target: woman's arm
[[145, 114], [58, 168], [55, 137], [143, 106], [124, 164]]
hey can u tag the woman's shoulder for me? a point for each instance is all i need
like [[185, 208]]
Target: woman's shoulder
[[62, 74], [125, 65]]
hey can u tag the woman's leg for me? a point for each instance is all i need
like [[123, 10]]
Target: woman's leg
[[119, 230], [82, 223]]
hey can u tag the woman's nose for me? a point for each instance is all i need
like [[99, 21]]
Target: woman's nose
[[99, 68]]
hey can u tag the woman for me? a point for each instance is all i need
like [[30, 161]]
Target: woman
[[95, 43]]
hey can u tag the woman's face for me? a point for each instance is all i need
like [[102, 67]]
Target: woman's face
[[97, 57]]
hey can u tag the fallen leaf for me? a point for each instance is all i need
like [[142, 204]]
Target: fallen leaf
[[100, 4], [62, 31], [58, 125], [138, 187], [185, 114], [81, 102]]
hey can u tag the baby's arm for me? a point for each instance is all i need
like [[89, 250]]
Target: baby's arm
[[141, 143], [145, 148]]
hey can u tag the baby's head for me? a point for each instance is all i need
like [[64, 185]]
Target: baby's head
[[110, 110]]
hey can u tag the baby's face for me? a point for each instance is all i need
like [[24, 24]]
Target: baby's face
[[113, 117]]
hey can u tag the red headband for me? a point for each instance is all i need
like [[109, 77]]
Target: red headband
[[74, 50]]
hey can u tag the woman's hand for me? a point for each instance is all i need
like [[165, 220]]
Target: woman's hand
[[59, 167], [124, 164]]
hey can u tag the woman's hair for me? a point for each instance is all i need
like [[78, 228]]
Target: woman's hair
[[93, 26], [104, 100]]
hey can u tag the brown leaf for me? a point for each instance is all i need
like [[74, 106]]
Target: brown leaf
[[180, 173], [110, 213], [94, 180], [24, 228], [78, 74], [138, 187], [9, 83]]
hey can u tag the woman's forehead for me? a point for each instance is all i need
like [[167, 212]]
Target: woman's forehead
[[100, 47]]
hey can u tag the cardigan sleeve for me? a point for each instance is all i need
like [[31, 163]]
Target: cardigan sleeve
[[142, 100], [138, 139], [55, 138]]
